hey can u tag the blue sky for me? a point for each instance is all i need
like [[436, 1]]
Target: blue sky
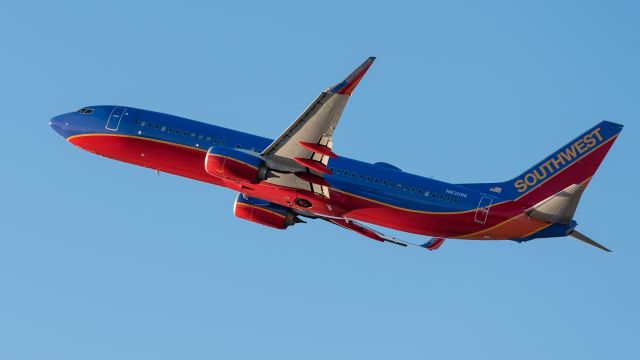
[[104, 260]]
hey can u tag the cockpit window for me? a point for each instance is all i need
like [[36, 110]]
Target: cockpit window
[[85, 111]]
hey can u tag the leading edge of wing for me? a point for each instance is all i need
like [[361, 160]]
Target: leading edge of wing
[[346, 86]]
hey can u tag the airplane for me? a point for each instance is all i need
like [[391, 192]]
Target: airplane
[[298, 175]]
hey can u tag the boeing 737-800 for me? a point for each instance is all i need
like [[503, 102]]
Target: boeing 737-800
[[298, 174]]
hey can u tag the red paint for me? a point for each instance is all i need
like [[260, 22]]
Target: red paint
[[313, 165], [317, 148], [355, 77], [435, 244], [189, 162], [576, 173], [259, 215], [230, 169], [315, 179]]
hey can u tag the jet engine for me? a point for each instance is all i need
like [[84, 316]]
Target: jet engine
[[264, 212], [235, 165]]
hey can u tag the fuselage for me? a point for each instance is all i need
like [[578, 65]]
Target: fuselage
[[375, 193]]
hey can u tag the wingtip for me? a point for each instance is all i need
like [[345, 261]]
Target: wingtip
[[433, 243], [346, 86]]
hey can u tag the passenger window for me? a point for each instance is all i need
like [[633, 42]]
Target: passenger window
[[353, 174], [399, 186], [163, 128], [392, 184], [185, 133], [170, 131], [361, 177], [433, 195], [136, 122], [413, 189], [200, 137], [215, 141], [157, 126], [193, 135], [375, 181], [384, 182], [142, 123], [149, 125], [237, 146], [208, 139], [338, 171]]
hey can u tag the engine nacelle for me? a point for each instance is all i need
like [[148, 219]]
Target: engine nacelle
[[235, 165], [264, 212]]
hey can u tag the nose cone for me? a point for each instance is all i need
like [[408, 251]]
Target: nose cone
[[57, 123]]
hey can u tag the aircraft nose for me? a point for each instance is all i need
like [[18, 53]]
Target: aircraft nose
[[57, 123]]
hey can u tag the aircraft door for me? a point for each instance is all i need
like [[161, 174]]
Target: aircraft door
[[483, 210], [114, 118]]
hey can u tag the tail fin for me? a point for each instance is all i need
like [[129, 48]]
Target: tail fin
[[573, 164]]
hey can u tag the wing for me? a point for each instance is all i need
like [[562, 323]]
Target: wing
[[302, 151], [365, 231], [432, 244]]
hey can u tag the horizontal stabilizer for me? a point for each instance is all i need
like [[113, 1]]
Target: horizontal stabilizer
[[584, 238], [558, 208]]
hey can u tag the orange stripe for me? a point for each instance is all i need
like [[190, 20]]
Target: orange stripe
[[505, 225]]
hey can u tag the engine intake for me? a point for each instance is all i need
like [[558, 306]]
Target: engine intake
[[264, 212]]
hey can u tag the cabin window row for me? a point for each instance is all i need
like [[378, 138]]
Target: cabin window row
[[179, 132], [188, 134], [394, 185]]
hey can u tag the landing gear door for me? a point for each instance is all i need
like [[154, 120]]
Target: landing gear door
[[114, 118], [483, 210]]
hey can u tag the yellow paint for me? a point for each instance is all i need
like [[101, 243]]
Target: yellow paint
[[553, 166]]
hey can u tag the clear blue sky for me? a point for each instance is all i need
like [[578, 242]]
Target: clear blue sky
[[104, 260]]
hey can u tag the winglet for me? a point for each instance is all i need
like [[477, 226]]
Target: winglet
[[347, 85], [433, 244]]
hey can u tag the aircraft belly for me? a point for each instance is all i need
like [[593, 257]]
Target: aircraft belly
[[503, 220], [161, 156]]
